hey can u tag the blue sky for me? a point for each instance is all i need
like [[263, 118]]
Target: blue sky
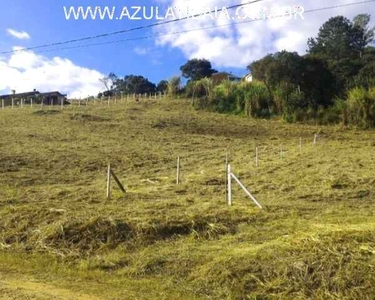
[[45, 22], [76, 71]]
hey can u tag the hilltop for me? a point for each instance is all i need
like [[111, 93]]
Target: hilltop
[[313, 239]]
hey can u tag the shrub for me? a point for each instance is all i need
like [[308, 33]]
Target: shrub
[[174, 86], [361, 107], [249, 98]]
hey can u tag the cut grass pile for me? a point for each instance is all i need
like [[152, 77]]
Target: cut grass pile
[[314, 238]]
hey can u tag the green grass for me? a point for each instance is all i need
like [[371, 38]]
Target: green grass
[[314, 239]]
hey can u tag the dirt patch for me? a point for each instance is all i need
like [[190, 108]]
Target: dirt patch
[[47, 112], [86, 117], [25, 289]]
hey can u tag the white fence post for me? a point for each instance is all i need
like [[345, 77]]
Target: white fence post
[[226, 176], [178, 171], [109, 182], [229, 186], [2, 103], [246, 191]]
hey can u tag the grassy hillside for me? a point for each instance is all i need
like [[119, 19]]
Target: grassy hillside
[[314, 239]]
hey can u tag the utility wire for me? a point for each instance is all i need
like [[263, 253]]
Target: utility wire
[[131, 29], [196, 29]]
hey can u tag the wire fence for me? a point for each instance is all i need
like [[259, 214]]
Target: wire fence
[[63, 103], [186, 166]]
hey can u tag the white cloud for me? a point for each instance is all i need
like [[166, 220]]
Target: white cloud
[[141, 51], [26, 70], [21, 35], [237, 46]]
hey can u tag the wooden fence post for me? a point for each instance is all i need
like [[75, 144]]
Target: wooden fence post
[[118, 182], [178, 171], [315, 139], [109, 182]]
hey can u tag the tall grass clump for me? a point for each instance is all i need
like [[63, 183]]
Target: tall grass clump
[[360, 107], [256, 99], [251, 99], [174, 85]]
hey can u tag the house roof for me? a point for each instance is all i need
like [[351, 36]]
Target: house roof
[[56, 93], [31, 94], [20, 95], [222, 74]]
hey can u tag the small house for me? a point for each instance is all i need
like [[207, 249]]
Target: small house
[[224, 76], [50, 98], [248, 78]]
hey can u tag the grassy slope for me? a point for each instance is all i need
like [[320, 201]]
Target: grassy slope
[[314, 239]]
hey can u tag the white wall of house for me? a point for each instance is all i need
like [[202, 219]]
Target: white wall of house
[[249, 78]]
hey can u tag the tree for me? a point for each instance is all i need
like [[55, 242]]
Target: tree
[[262, 70], [339, 38], [174, 86], [162, 86], [105, 82], [317, 82], [276, 68], [196, 69], [366, 75], [285, 72], [132, 84], [362, 21], [113, 79], [343, 70]]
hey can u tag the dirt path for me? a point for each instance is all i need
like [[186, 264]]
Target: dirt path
[[13, 287]]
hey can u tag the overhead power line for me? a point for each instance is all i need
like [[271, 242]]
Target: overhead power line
[[196, 29], [131, 29]]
